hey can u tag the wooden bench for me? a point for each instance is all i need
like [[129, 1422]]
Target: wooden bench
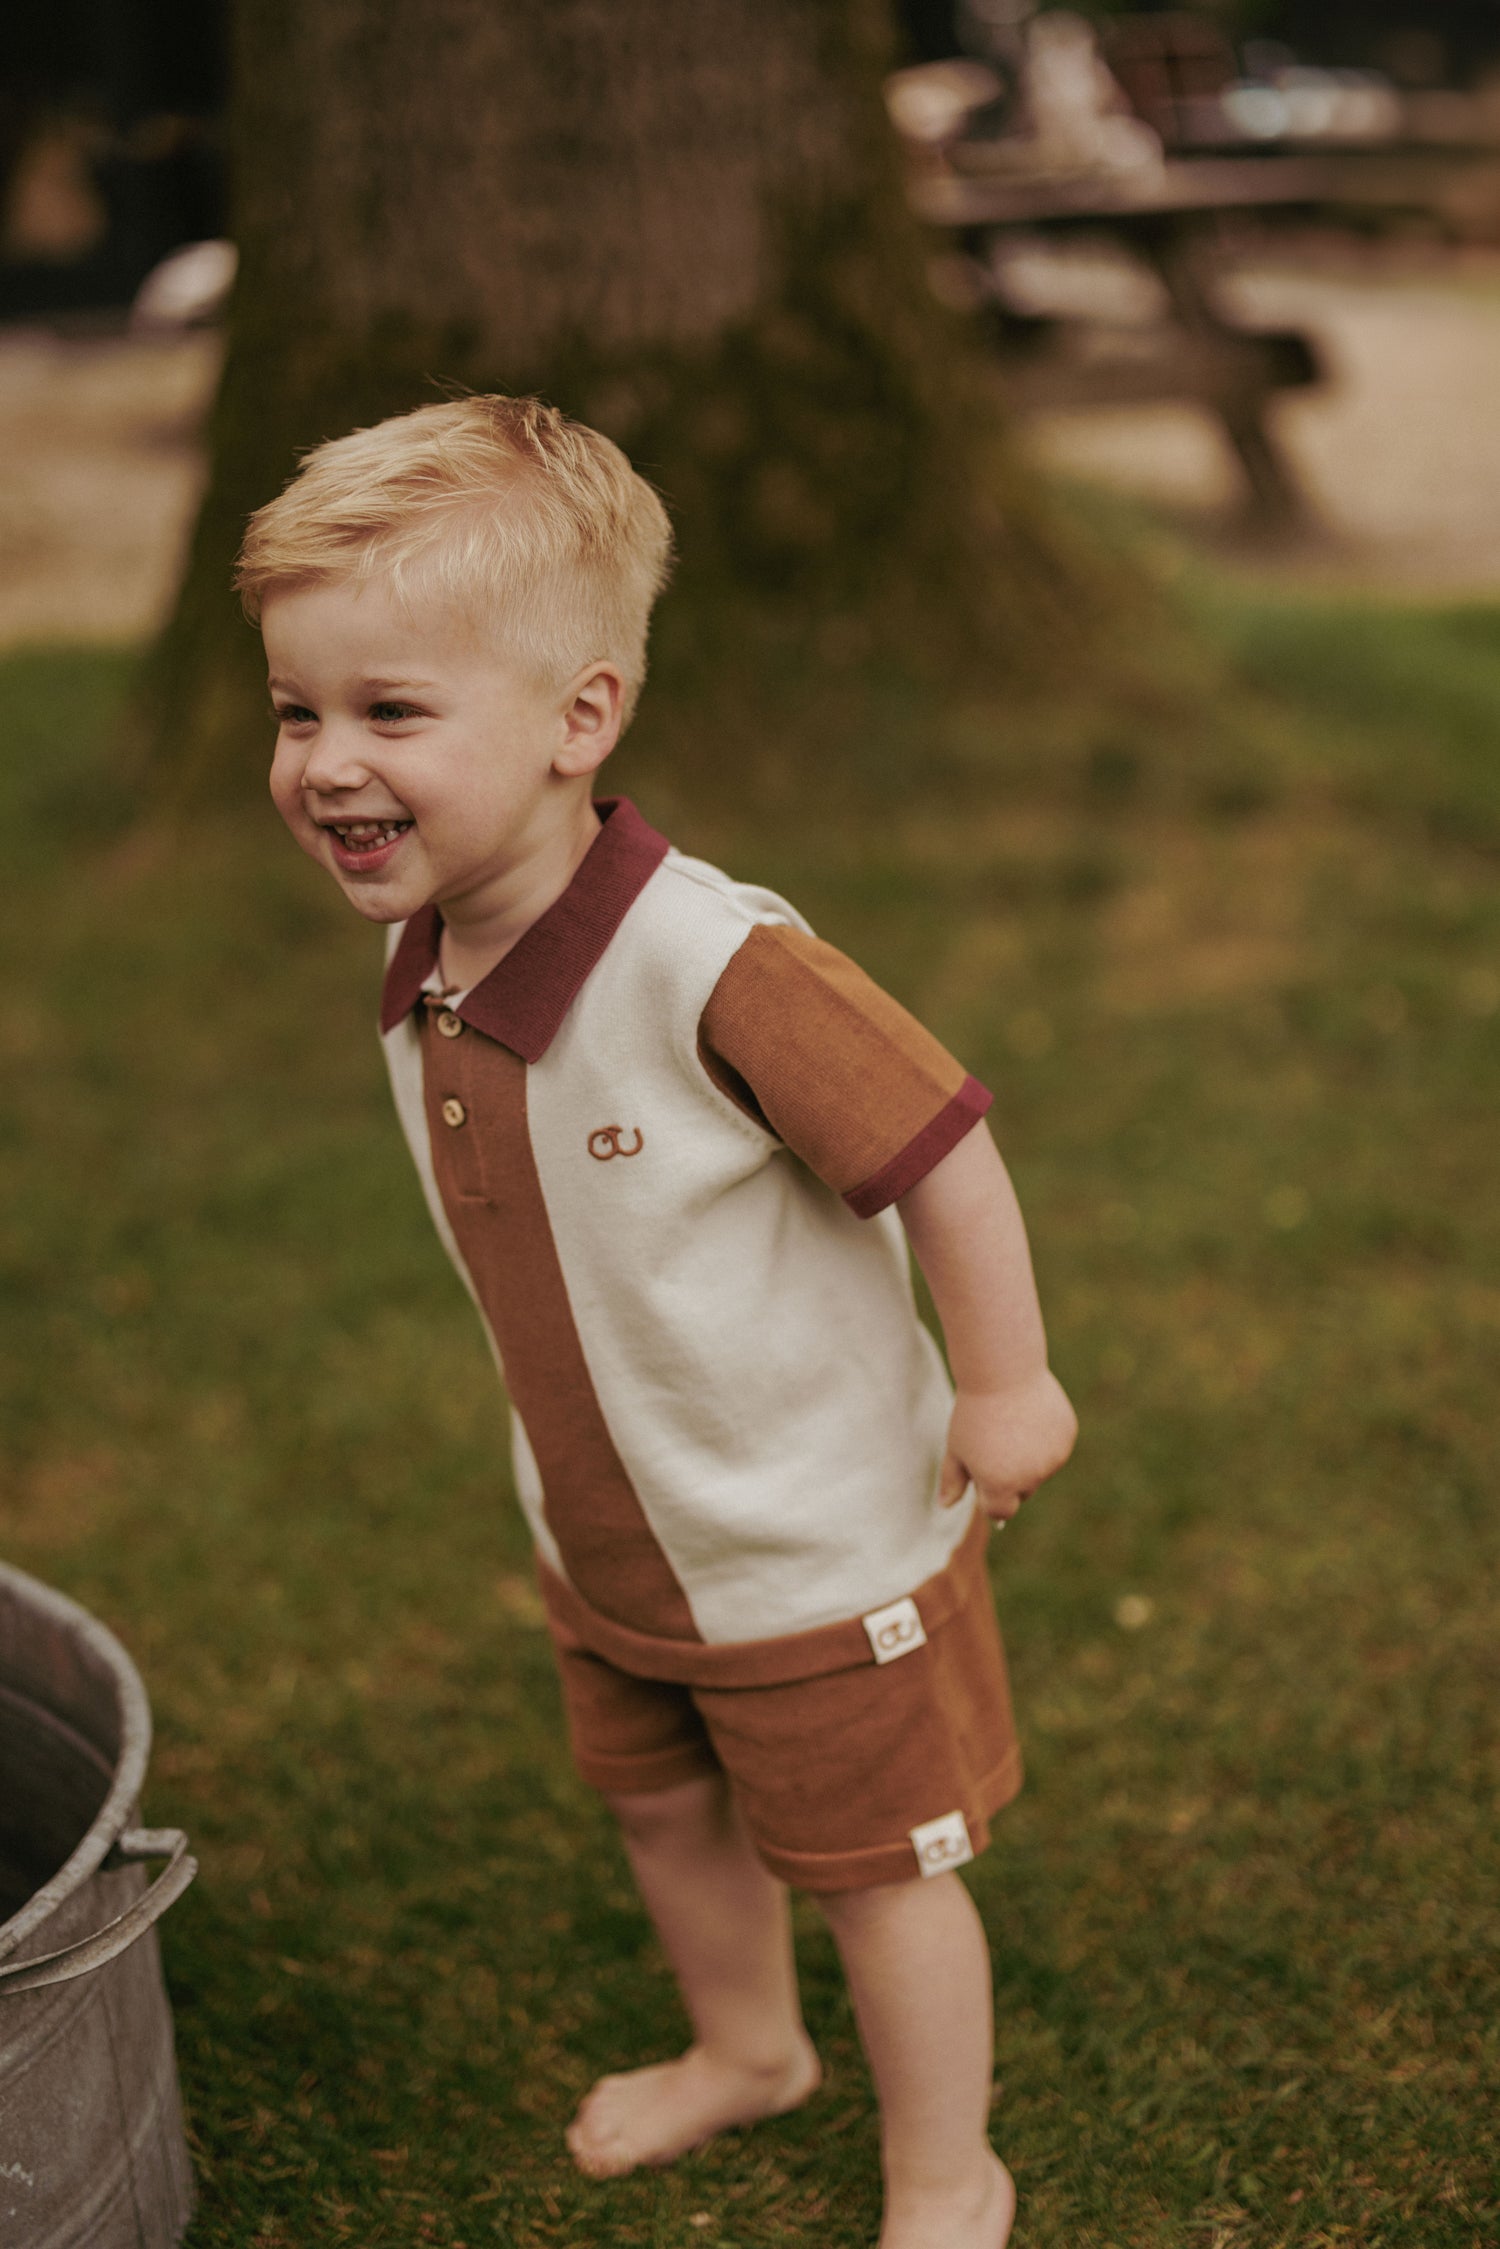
[[1169, 219]]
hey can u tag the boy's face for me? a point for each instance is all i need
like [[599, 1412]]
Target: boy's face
[[414, 761]]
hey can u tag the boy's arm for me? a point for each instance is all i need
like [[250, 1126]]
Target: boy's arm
[[1012, 1424]]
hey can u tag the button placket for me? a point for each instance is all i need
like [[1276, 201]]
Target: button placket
[[448, 1063]]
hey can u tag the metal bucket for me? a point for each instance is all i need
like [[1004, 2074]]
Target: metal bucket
[[92, 2153]]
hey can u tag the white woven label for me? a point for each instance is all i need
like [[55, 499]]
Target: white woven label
[[942, 1843], [895, 1630]]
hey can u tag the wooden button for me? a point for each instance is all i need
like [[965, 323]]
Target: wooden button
[[453, 1112], [450, 1024]]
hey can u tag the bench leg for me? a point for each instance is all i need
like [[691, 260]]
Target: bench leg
[[1275, 501]]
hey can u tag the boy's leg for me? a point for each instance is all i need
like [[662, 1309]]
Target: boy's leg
[[918, 1969], [724, 1924]]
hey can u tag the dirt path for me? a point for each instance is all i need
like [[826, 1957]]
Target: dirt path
[[100, 472], [1398, 453], [100, 467]]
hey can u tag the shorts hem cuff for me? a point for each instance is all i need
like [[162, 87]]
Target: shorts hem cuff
[[883, 1863]]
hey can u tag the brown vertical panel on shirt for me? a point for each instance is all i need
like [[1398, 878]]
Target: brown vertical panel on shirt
[[487, 1176], [798, 1035]]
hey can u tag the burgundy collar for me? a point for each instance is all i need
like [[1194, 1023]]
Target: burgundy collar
[[523, 1000]]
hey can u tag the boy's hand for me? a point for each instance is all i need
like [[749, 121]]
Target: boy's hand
[[1006, 1442]]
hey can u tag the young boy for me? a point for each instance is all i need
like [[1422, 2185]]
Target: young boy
[[671, 1142]]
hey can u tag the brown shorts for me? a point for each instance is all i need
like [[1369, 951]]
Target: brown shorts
[[862, 1772]]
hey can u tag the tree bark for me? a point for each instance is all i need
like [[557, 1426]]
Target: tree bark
[[678, 219]]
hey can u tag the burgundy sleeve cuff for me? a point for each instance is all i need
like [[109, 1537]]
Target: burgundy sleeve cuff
[[922, 1155]]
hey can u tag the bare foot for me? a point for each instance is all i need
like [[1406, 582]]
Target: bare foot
[[654, 2115], [979, 2216]]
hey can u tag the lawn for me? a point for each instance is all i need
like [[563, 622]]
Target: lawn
[[1232, 971]]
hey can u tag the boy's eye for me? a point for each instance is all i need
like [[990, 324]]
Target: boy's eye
[[391, 714], [292, 714]]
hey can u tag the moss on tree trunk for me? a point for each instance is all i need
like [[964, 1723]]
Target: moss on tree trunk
[[678, 219]]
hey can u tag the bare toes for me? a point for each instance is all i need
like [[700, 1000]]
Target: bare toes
[[653, 2115]]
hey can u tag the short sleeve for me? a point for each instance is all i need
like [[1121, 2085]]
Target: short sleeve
[[803, 1041]]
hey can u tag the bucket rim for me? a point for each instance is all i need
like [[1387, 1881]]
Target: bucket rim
[[130, 1765]]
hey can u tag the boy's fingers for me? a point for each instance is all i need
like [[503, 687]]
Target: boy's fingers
[[1002, 1507], [953, 1482]]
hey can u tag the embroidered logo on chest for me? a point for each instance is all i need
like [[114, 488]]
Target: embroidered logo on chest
[[610, 1141]]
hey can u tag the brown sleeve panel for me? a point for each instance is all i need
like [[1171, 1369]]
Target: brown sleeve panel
[[803, 1040]]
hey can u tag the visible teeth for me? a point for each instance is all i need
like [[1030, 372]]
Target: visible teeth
[[370, 831]]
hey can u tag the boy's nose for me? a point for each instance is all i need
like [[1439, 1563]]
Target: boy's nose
[[334, 763]]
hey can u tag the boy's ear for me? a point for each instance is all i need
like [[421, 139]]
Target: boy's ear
[[590, 721]]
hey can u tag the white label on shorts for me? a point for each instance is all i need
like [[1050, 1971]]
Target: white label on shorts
[[896, 1630], [942, 1843]]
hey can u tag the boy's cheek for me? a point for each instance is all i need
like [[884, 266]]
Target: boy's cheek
[[286, 795]]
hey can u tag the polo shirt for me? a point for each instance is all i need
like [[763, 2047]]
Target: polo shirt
[[661, 1141]]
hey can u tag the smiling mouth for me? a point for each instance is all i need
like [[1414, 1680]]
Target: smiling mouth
[[356, 839]]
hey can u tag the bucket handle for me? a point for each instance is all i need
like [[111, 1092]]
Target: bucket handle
[[117, 1936]]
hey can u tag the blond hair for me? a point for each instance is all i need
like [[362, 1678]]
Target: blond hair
[[527, 521]]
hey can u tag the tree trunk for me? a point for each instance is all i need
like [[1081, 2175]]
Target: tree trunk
[[678, 219]]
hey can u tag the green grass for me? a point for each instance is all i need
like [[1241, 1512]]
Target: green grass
[[1234, 980]]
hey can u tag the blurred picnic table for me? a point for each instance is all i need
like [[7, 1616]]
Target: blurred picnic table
[[1088, 162]]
